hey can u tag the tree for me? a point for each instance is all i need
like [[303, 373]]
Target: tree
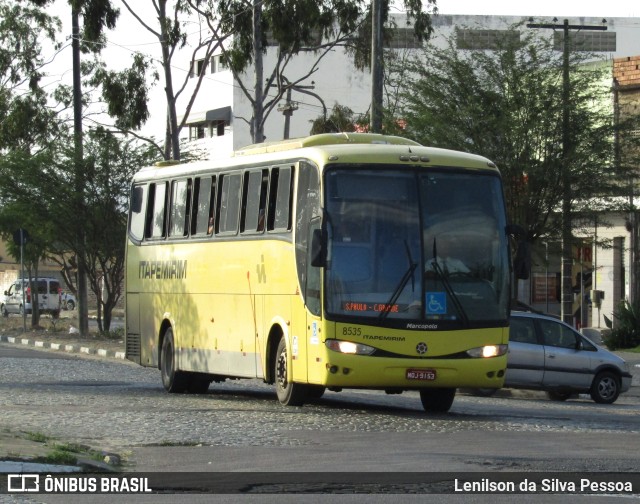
[[126, 92], [340, 119], [506, 104], [295, 27], [25, 120], [38, 195]]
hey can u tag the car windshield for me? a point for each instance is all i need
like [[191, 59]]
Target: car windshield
[[411, 246]]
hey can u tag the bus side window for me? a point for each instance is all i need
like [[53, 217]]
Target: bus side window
[[138, 207], [254, 199], [280, 196], [204, 190], [229, 204], [156, 210], [180, 200]]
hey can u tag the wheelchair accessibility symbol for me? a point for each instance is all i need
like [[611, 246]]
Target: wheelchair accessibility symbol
[[436, 303]]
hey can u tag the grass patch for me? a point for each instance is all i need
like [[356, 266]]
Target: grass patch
[[37, 437], [59, 457]]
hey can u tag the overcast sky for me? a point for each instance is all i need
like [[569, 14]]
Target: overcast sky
[[550, 8]]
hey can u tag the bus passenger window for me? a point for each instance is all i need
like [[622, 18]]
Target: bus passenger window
[[180, 192], [229, 204], [156, 210], [136, 226], [203, 210], [254, 199], [280, 196]]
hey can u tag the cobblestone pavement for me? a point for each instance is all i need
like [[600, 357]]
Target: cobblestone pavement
[[109, 403]]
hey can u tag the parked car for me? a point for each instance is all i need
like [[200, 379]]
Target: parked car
[[17, 301], [547, 354], [68, 301]]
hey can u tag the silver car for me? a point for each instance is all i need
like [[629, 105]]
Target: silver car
[[547, 354]]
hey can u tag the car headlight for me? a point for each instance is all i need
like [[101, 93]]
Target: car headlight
[[488, 351], [349, 347]]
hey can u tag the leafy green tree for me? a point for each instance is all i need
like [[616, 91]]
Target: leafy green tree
[[341, 118], [507, 104], [38, 195], [25, 119], [21, 210]]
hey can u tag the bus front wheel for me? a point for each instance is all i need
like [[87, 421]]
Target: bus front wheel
[[174, 381], [437, 400], [289, 393]]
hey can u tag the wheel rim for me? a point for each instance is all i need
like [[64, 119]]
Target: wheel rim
[[167, 359], [281, 369], [607, 387]]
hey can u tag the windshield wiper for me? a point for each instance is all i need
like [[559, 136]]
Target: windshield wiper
[[447, 286], [402, 284]]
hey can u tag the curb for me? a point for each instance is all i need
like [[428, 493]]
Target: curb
[[64, 347]]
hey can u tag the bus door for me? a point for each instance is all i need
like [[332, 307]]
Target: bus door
[[312, 297]]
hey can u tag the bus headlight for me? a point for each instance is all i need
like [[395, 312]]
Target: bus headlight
[[349, 347], [488, 351]]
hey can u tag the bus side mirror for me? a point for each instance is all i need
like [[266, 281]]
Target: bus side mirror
[[522, 261], [318, 251]]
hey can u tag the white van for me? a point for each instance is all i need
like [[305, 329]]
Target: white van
[[48, 297]]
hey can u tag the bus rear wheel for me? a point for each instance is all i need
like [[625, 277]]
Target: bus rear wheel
[[174, 381], [289, 393], [437, 400]]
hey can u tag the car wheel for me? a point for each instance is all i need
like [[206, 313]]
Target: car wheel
[[5, 313], [289, 393], [437, 400], [605, 388], [174, 381], [70, 305]]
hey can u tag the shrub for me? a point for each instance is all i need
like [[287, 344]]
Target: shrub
[[626, 334]]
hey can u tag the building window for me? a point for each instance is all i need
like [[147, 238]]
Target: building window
[[590, 41], [197, 68], [486, 39], [404, 38], [218, 64]]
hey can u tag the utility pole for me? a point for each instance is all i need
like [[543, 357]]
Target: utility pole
[[287, 110], [83, 309], [566, 290], [377, 70]]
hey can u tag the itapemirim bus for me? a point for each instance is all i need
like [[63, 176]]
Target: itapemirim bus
[[330, 262]]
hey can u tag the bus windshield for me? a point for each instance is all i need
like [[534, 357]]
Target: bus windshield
[[416, 248]]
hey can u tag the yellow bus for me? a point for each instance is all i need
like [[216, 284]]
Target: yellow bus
[[331, 262]]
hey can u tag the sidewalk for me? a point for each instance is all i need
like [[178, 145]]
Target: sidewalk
[[61, 335], [68, 343]]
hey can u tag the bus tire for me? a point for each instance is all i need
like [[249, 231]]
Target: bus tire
[[174, 381], [437, 400], [288, 392]]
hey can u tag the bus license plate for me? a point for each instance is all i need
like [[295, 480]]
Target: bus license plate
[[421, 374]]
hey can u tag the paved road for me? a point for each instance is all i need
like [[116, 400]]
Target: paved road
[[239, 426]]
